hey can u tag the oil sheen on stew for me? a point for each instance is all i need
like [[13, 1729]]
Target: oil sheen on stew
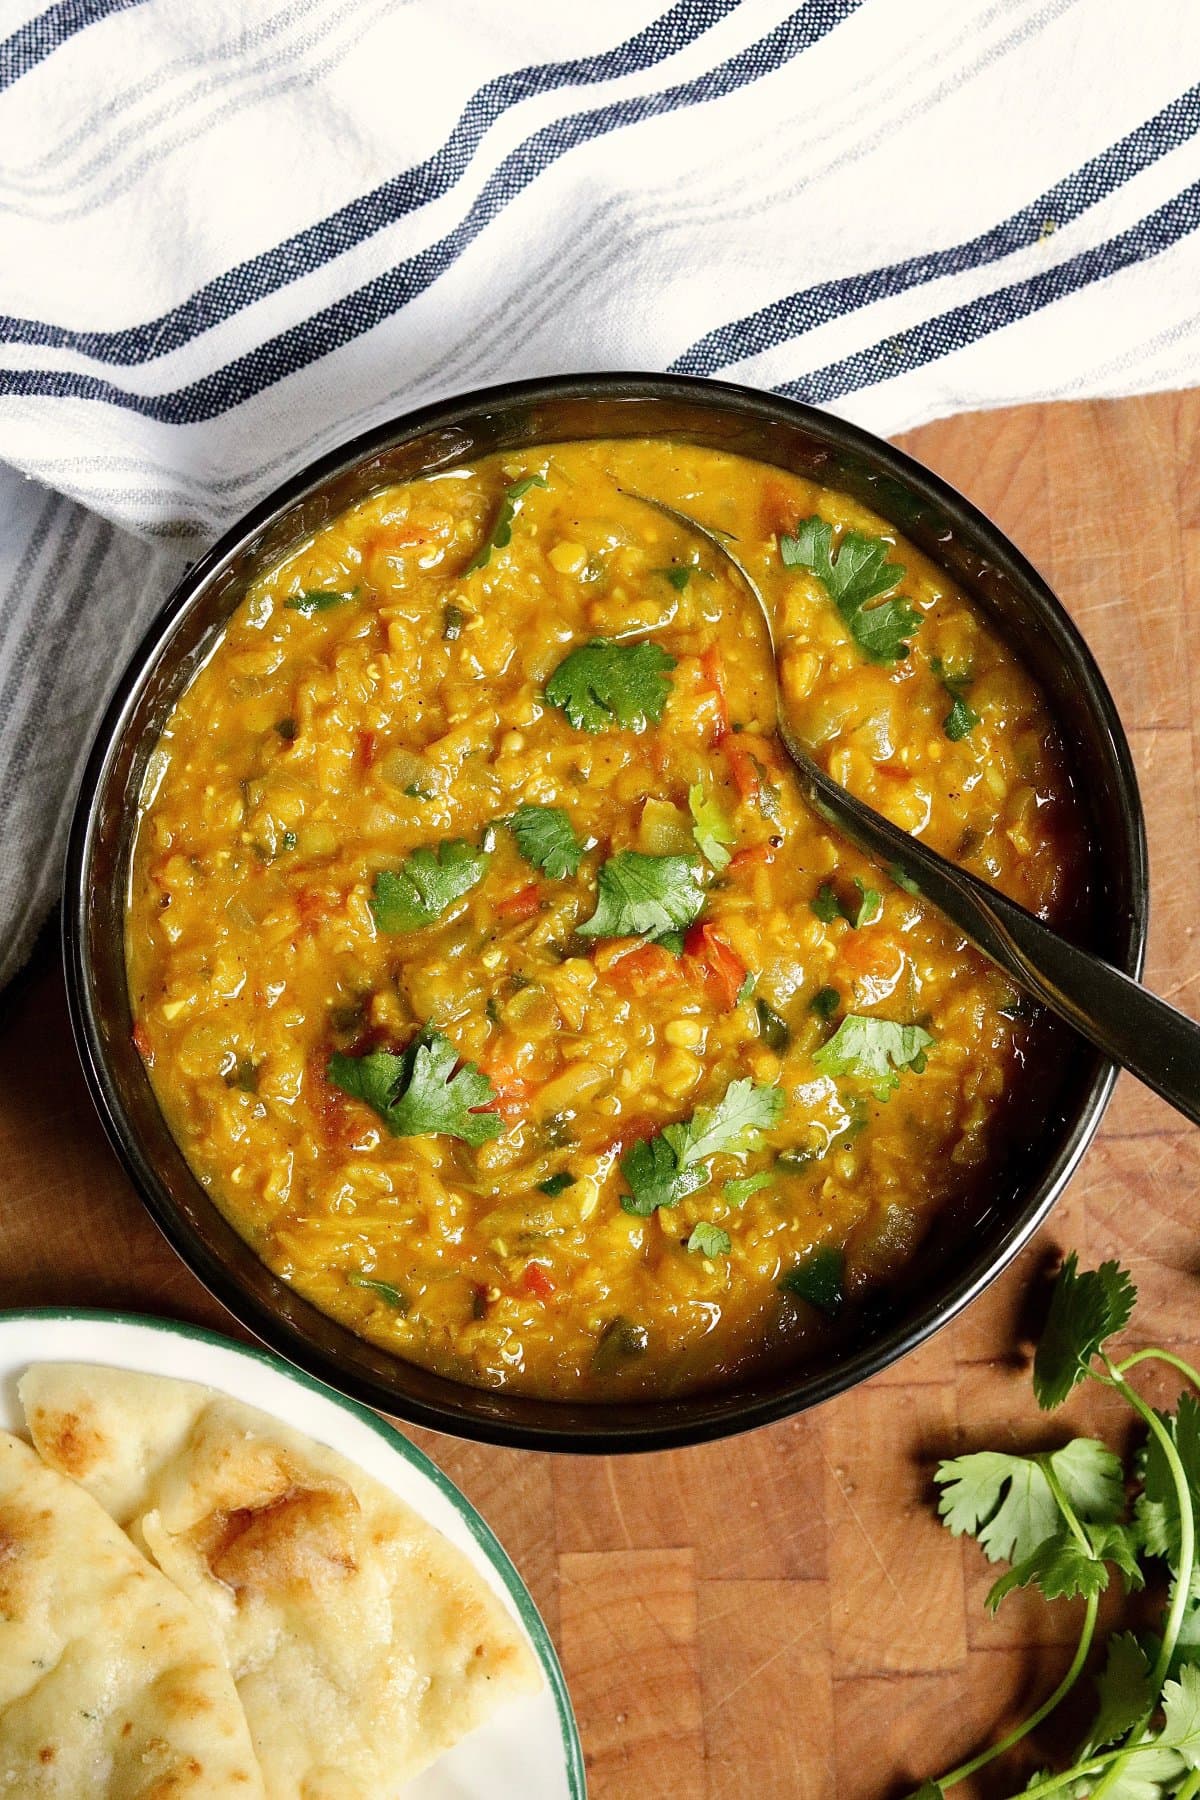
[[492, 974]]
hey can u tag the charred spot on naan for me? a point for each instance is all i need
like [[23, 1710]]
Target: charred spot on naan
[[70, 1441], [301, 1538]]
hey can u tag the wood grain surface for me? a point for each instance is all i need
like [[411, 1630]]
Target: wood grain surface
[[779, 1617]]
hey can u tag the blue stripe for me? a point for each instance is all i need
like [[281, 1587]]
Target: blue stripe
[[369, 213], [794, 314], [358, 312], [966, 324], [42, 35]]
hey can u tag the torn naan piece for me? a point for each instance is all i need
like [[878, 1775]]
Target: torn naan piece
[[363, 1644], [112, 1684]]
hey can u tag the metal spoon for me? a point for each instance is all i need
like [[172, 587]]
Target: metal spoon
[[1158, 1044]]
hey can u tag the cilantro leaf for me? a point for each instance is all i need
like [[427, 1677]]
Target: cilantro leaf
[[710, 828], [829, 905], [663, 1169], [825, 1002], [1157, 1506], [556, 1184], [872, 1050], [679, 574], [740, 1187], [859, 574], [644, 896], [418, 1094], [1063, 1568], [425, 884], [1126, 1697], [605, 683], [1181, 1716], [961, 719], [1007, 1503], [1084, 1311], [392, 1296], [546, 839], [820, 1279], [316, 600], [501, 533], [928, 1790], [709, 1240]]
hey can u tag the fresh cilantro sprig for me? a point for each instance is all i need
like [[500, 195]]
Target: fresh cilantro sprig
[[644, 896], [858, 574], [829, 905], [546, 839], [422, 1092], [873, 1050], [1063, 1521], [500, 535], [604, 684], [426, 884], [664, 1169]]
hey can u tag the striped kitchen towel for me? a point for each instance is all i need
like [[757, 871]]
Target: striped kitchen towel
[[233, 232]]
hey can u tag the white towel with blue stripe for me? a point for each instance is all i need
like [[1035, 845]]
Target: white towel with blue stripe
[[234, 232]]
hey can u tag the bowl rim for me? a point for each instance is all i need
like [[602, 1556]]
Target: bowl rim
[[709, 1415]]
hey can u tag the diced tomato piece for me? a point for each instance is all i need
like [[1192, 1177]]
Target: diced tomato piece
[[401, 536], [724, 971], [741, 767], [633, 1130], [521, 905], [366, 748], [643, 970], [141, 1042], [335, 1116], [312, 907], [777, 510], [712, 666], [752, 857], [897, 771], [535, 1280]]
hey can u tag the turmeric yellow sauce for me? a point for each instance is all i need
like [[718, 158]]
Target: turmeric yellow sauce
[[488, 966]]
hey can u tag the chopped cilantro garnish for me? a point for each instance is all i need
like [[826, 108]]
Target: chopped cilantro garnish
[[872, 1050], [746, 989], [393, 1296], [740, 1187], [243, 1075], [825, 1002], [710, 828], [425, 884], [286, 729], [829, 905], [419, 1094], [288, 840], [820, 1279], [664, 1169], [859, 574], [709, 1240], [772, 1029], [501, 532], [961, 718], [604, 683], [453, 620], [316, 600], [556, 1184], [644, 896], [678, 575], [546, 839]]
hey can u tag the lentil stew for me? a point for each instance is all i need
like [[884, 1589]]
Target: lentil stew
[[489, 968]]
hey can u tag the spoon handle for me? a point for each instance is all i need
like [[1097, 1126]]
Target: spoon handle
[[1159, 1044]]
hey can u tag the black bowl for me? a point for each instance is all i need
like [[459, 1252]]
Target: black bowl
[[963, 1251]]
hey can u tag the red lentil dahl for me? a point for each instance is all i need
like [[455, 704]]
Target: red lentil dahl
[[383, 893]]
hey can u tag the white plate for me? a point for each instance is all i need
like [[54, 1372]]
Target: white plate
[[530, 1750]]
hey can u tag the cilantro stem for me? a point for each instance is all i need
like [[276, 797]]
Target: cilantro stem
[[1046, 1708], [1190, 1787], [1181, 1588], [1164, 1356]]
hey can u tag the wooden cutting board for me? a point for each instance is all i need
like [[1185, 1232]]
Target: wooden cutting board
[[779, 1617]]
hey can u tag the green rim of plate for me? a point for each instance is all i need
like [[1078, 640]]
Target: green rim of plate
[[476, 1524]]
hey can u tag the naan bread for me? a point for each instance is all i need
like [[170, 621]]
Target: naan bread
[[112, 1684], [362, 1643]]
